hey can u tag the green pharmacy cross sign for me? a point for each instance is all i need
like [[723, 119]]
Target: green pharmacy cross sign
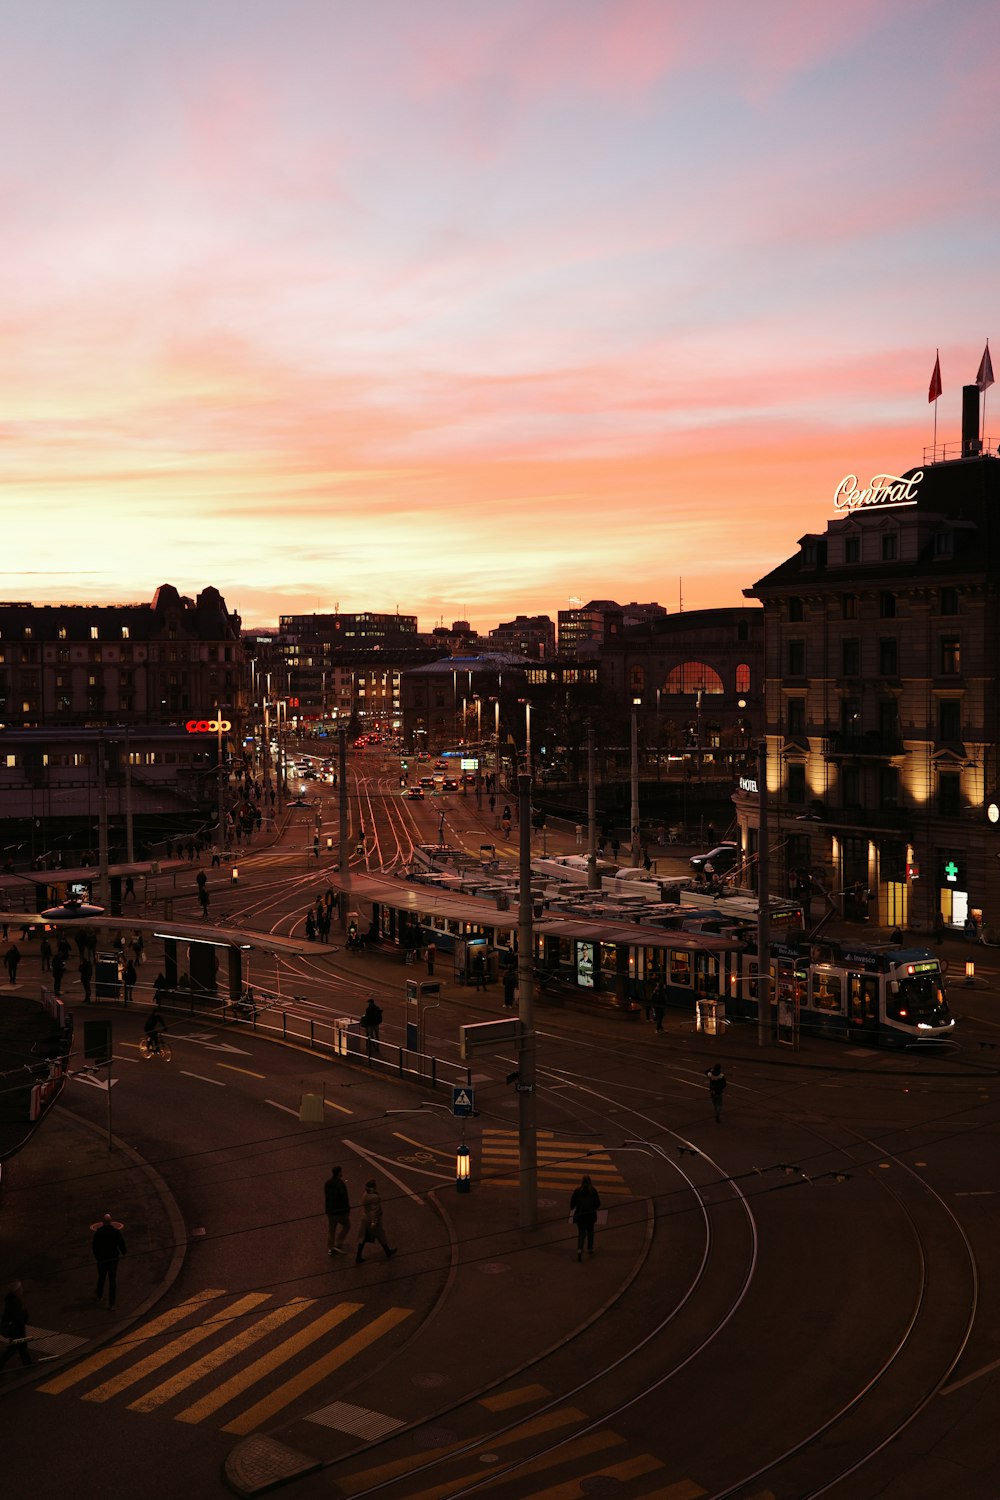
[[951, 870]]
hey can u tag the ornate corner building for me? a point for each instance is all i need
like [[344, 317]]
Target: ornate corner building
[[881, 695]]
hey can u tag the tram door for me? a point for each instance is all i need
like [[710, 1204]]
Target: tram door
[[862, 1004]]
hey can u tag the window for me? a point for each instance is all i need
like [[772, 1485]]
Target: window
[[850, 657], [888, 721], [951, 656], [125, 632], [950, 720], [890, 547], [888, 786], [827, 992], [943, 544], [887, 605], [850, 715], [637, 678], [796, 658], [888, 656], [693, 677], [796, 782], [949, 794], [850, 787], [796, 715], [949, 601], [94, 633], [852, 549], [743, 678], [795, 610], [848, 606], [62, 632]]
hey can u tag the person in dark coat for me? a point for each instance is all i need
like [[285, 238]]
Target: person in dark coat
[[58, 970], [12, 958], [337, 1206], [86, 974], [108, 1245], [509, 987], [371, 1021], [128, 979], [371, 1225], [716, 1088], [583, 1205], [14, 1326]]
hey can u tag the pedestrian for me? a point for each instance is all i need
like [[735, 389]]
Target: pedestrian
[[129, 977], [716, 1088], [337, 1206], [583, 1206], [86, 972], [202, 881], [658, 1004], [371, 1020], [371, 1224], [58, 970], [509, 987], [430, 953], [12, 958], [939, 928], [479, 970], [897, 935], [310, 926], [108, 1245], [139, 948], [203, 899], [316, 845], [579, 835], [14, 1326], [45, 953], [129, 889]]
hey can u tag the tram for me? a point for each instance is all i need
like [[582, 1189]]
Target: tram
[[880, 995]]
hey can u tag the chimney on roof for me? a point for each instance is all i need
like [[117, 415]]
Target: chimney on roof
[[970, 421]]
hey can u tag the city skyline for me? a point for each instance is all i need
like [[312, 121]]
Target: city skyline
[[467, 311]]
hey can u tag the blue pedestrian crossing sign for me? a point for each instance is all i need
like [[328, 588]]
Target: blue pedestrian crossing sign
[[463, 1101]]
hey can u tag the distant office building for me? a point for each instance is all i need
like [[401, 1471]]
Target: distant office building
[[526, 635], [96, 664], [582, 629], [349, 632], [334, 669], [882, 703]]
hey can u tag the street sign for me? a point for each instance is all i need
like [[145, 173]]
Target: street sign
[[463, 1102], [488, 1034]]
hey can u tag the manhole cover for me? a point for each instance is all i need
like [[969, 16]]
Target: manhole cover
[[493, 1268], [489, 1458], [435, 1437]]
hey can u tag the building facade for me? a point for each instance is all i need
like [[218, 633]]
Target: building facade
[[882, 652]]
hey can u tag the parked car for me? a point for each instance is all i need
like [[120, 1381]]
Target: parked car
[[723, 858]]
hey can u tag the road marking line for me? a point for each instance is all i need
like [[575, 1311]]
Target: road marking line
[[342, 1107], [209, 1362], [282, 1106], [127, 1344], [218, 1082], [318, 1370], [232, 1068], [957, 1385], [507, 1399], [448, 1155], [167, 1352], [375, 1159], [268, 1362]]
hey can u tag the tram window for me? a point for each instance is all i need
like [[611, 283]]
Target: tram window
[[652, 961], [828, 992], [680, 967], [608, 958], [566, 955]]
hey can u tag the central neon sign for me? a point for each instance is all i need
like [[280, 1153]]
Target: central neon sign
[[207, 726], [885, 489]]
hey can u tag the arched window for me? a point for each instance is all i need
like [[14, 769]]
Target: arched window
[[638, 679], [743, 678], [693, 677]]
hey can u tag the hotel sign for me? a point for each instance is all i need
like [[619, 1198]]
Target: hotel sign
[[884, 489]]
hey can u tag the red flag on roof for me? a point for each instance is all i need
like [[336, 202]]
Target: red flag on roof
[[985, 376], [935, 388]]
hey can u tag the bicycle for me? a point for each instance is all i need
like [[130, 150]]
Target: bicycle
[[160, 1048]]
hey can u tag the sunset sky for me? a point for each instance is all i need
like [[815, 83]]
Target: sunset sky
[[473, 306]]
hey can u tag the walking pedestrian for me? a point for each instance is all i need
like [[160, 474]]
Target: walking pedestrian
[[14, 1326], [583, 1205], [45, 953], [86, 972], [129, 977], [939, 928], [509, 987], [129, 889], [108, 1245], [658, 1004], [479, 970], [310, 926], [203, 900], [716, 1088], [337, 1206], [12, 958], [429, 954], [372, 1228], [58, 970], [371, 1020]]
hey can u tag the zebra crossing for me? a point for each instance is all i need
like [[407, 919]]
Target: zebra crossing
[[571, 1468], [561, 1162], [233, 1325]]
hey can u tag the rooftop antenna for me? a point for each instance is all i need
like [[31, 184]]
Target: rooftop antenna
[[680, 596]]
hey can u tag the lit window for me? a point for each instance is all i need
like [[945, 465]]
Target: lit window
[[693, 677], [94, 633]]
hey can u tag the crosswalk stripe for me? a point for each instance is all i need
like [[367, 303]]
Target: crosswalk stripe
[[572, 1489], [129, 1343], [167, 1352], [352, 1484], [318, 1370], [506, 1399], [268, 1362], [592, 1442], [209, 1362]]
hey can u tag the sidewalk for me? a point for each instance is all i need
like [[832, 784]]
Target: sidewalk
[[63, 1180]]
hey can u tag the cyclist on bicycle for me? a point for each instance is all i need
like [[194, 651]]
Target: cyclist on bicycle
[[154, 1028]]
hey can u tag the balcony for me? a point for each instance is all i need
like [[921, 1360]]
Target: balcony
[[869, 743]]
